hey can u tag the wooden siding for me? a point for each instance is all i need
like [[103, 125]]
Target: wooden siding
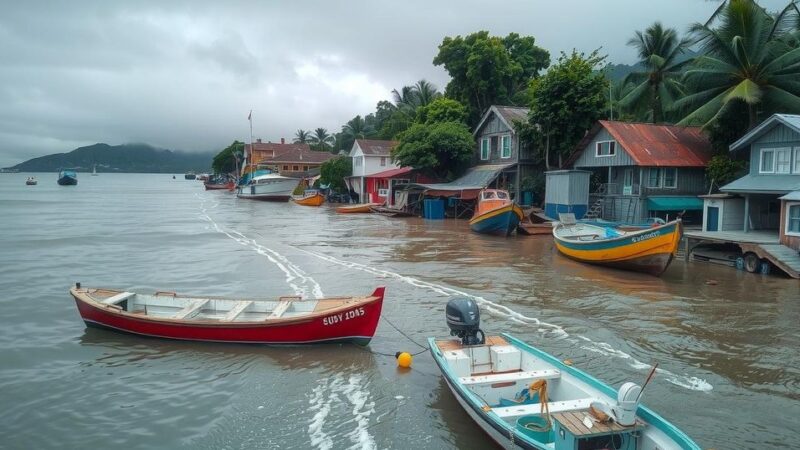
[[779, 136], [787, 240], [619, 208], [495, 128], [588, 158], [733, 215], [691, 181]]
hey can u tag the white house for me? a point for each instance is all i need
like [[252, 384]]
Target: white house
[[369, 157]]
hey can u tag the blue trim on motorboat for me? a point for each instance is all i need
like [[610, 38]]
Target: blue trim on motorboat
[[645, 413]]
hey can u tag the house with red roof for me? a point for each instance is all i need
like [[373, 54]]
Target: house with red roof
[[290, 160], [640, 171]]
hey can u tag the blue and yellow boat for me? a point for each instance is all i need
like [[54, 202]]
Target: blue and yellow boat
[[648, 250], [67, 177], [496, 213]]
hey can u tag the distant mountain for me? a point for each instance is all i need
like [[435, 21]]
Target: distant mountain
[[136, 158], [618, 72]]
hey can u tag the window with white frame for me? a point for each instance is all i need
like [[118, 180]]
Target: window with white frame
[[662, 177], [505, 147], [383, 161], [605, 148], [796, 168], [654, 178], [767, 164], [793, 218], [783, 160], [670, 177], [357, 161], [485, 148]]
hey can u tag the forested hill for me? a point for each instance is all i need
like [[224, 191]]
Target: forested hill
[[138, 158]]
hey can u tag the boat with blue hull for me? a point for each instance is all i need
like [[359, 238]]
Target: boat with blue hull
[[67, 177], [523, 397], [495, 214]]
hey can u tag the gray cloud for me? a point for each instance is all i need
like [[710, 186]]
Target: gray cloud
[[184, 74]]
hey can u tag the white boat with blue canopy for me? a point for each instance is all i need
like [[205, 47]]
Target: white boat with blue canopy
[[524, 397]]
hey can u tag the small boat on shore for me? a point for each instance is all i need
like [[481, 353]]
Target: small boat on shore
[[523, 397], [495, 214], [648, 250], [311, 197], [218, 184], [189, 176], [268, 186], [390, 212], [67, 177], [534, 229], [359, 208], [285, 320], [31, 181]]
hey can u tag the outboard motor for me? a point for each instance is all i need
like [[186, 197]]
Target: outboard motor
[[627, 402], [464, 318]]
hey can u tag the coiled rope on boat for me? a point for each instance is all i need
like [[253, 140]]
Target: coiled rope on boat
[[540, 387]]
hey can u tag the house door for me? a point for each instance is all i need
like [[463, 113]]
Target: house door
[[712, 218], [627, 181]]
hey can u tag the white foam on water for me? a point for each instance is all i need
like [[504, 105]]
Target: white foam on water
[[362, 409], [320, 405], [688, 382], [296, 278]]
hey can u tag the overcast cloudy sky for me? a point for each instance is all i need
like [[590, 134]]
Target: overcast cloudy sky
[[184, 74]]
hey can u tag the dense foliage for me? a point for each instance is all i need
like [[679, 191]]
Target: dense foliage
[[567, 101], [442, 150], [225, 161], [333, 172], [441, 110], [487, 70], [722, 169]]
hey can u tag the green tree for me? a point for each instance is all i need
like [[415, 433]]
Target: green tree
[[302, 137], [355, 128], [321, 140], [334, 171], [655, 89], [442, 150], [568, 100], [442, 109], [225, 161], [721, 169], [487, 70], [746, 58]]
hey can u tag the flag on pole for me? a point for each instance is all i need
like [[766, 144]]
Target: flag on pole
[[249, 114]]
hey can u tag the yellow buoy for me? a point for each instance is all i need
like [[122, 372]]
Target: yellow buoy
[[403, 359]]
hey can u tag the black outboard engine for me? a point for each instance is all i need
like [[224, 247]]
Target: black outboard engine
[[464, 318]]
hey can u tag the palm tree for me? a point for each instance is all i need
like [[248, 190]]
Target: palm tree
[[356, 128], [655, 89], [746, 60], [425, 92], [302, 137], [405, 99], [321, 139]]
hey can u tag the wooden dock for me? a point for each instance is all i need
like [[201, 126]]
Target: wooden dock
[[755, 245]]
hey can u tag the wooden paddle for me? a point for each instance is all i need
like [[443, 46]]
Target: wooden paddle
[[647, 380]]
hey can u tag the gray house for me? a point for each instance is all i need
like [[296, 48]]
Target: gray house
[[499, 145], [760, 212], [642, 170]]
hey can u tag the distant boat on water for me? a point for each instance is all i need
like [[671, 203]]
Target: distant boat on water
[[189, 176], [67, 177], [31, 181], [94, 170]]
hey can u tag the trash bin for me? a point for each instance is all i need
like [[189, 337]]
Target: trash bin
[[527, 198], [433, 209]]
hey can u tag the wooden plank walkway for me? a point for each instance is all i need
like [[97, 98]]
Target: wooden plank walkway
[[783, 257]]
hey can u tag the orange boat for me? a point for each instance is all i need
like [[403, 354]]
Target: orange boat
[[311, 197], [496, 213], [360, 208]]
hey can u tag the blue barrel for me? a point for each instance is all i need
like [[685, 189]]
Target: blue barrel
[[433, 209], [527, 198]]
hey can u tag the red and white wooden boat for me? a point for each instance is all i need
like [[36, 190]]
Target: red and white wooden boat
[[286, 320]]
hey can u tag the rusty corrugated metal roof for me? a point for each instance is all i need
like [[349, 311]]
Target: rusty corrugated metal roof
[[654, 145]]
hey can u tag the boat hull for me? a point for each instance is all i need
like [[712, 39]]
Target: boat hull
[[218, 187], [648, 251], [30, 183], [534, 229], [277, 190], [354, 209], [657, 432], [354, 324], [312, 200], [67, 181], [499, 222]]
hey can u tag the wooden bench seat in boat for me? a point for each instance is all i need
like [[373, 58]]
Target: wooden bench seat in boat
[[119, 298], [546, 374], [236, 310], [191, 310], [283, 305], [506, 412]]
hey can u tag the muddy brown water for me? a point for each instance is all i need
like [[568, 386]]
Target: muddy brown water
[[726, 341]]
